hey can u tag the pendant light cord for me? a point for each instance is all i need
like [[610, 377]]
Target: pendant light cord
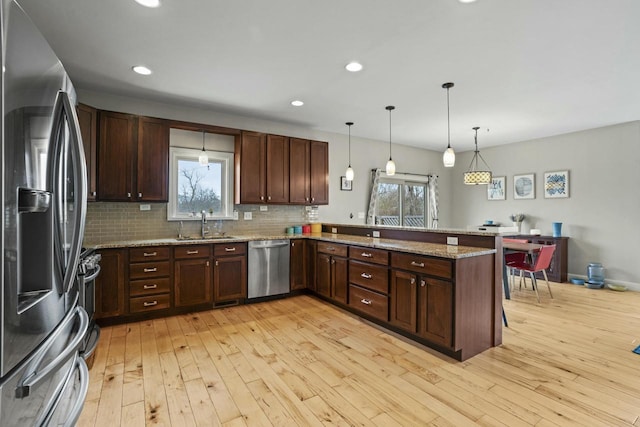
[[349, 124], [390, 108], [448, 123]]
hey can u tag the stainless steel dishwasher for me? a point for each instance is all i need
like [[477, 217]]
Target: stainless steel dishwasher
[[268, 271]]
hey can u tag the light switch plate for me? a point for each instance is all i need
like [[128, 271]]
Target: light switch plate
[[248, 216], [263, 208], [360, 215], [452, 241], [375, 233], [145, 207]]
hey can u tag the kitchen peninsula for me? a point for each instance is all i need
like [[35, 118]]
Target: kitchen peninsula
[[447, 297]]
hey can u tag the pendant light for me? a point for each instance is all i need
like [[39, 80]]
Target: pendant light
[[391, 166], [349, 173], [449, 156], [203, 159], [474, 176]]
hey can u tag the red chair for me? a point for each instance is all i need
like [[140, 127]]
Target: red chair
[[515, 257], [543, 261]]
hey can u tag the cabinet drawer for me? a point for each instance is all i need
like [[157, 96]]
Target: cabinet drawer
[[377, 256], [149, 303], [155, 253], [333, 249], [223, 249], [370, 276], [149, 269], [158, 285], [421, 264], [371, 303], [186, 252]]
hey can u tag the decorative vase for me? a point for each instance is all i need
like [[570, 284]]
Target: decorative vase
[[557, 229], [518, 224]]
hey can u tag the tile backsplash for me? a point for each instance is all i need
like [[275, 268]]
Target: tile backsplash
[[109, 222]]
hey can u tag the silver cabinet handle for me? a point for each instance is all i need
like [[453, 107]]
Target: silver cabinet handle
[[366, 276], [192, 252], [261, 197], [229, 249], [150, 270], [129, 195], [417, 264], [293, 244], [422, 283], [365, 301], [94, 194], [139, 194], [154, 286], [331, 248], [366, 255], [306, 199], [150, 254], [313, 199], [413, 281], [269, 198], [150, 304]]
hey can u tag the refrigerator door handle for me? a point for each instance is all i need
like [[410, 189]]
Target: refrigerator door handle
[[63, 109], [38, 375], [83, 373]]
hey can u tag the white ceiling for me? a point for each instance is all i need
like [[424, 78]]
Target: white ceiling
[[524, 69]]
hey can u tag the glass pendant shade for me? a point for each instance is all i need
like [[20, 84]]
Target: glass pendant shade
[[475, 176], [349, 174], [390, 168], [203, 159], [449, 158]]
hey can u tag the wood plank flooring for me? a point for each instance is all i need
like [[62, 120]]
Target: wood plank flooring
[[301, 361]]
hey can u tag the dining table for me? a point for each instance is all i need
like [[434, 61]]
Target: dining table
[[511, 247]]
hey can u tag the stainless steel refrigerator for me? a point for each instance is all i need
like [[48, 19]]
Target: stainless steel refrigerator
[[43, 381]]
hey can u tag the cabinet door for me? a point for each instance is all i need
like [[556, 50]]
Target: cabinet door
[[115, 153], [310, 263], [88, 120], [299, 171], [110, 284], [298, 273], [436, 311], [230, 278], [339, 279], [319, 172], [192, 282], [323, 274], [153, 160], [252, 167], [277, 169], [404, 299]]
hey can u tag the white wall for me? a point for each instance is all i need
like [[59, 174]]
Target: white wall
[[600, 215]]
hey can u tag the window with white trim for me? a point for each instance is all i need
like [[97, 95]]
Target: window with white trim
[[402, 202]]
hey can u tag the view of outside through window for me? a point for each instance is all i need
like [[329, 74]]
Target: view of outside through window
[[199, 187], [394, 198]]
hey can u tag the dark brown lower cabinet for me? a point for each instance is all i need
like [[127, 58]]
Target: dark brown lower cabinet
[[298, 271], [404, 300], [436, 311], [192, 282], [331, 277], [310, 263], [229, 278], [110, 284]]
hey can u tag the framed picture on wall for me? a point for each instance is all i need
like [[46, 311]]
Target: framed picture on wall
[[524, 186], [556, 185], [496, 189], [345, 184]]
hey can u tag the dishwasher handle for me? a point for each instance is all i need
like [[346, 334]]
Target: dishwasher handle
[[272, 245]]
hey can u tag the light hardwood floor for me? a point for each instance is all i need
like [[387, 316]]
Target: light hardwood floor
[[300, 361]]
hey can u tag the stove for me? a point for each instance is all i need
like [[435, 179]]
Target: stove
[[88, 271]]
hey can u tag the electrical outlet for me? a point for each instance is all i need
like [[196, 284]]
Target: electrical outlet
[[248, 216], [452, 241], [360, 215], [375, 234], [235, 215], [145, 207], [334, 230], [263, 208]]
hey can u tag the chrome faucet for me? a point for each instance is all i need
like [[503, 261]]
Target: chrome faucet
[[203, 230]]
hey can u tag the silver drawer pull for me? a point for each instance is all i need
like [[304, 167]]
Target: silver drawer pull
[[154, 286], [150, 254], [150, 304], [366, 276], [331, 248], [150, 270], [192, 252], [229, 249], [417, 264], [366, 255], [365, 301]]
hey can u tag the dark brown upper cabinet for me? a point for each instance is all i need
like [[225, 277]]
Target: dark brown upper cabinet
[[88, 120], [309, 172]]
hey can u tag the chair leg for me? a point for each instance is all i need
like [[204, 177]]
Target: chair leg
[[544, 273], [504, 318], [534, 284]]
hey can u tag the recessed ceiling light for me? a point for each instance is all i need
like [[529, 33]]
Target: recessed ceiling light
[[149, 3], [141, 69], [297, 103], [461, 1], [354, 67]]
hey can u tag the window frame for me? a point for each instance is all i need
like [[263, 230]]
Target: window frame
[[226, 186], [402, 181]]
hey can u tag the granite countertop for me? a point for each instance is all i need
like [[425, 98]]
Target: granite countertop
[[430, 249], [472, 232]]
